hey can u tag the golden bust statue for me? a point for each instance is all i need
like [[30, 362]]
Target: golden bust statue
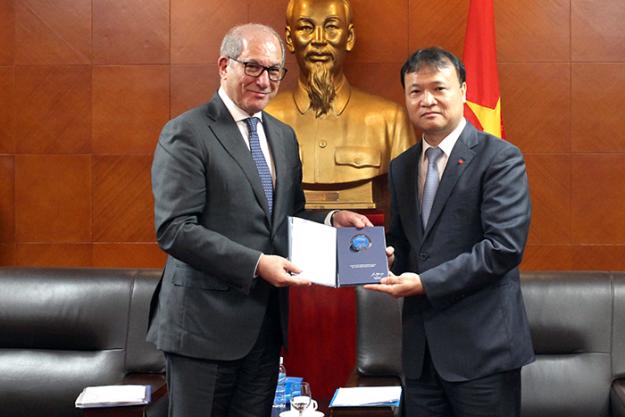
[[347, 137]]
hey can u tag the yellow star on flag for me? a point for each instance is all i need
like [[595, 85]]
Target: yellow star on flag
[[489, 118]]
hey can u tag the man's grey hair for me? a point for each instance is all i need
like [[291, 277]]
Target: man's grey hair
[[232, 44]]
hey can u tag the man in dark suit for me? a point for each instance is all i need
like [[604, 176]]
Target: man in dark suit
[[223, 187], [460, 214]]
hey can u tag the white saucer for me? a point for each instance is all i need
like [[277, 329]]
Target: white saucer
[[293, 413]]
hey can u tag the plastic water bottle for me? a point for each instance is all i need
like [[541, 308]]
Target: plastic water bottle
[[279, 401]]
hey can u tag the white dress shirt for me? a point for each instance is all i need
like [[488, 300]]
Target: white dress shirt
[[446, 145]]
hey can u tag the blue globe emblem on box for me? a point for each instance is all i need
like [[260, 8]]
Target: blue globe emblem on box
[[359, 243]]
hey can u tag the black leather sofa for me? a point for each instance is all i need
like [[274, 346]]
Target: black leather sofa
[[64, 329], [577, 321]]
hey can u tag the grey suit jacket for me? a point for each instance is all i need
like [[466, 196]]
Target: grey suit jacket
[[472, 315], [212, 219]]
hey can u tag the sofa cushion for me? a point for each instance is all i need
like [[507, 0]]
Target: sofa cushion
[[572, 385], [570, 318], [64, 329], [63, 309], [569, 313], [47, 382]]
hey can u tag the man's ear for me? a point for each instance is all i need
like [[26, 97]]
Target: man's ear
[[288, 40], [222, 64], [351, 38]]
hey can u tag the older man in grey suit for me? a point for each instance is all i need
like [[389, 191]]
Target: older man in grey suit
[[225, 177], [460, 215]]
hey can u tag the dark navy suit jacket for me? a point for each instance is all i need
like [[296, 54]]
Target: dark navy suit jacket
[[472, 315]]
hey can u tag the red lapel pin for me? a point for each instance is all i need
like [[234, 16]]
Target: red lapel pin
[[460, 161]]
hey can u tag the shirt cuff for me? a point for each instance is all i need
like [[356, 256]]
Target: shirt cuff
[[256, 268], [328, 219]]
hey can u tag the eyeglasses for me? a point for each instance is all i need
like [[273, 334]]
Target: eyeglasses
[[254, 69]]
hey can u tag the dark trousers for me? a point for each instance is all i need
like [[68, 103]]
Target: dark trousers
[[241, 388], [497, 395]]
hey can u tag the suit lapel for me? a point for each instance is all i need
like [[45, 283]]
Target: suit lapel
[[408, 195], [460, 158], [227, 133]]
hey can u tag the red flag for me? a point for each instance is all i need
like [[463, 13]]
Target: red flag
[[483, 106]]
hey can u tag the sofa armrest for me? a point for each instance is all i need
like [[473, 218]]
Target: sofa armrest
[[617, 398], [159, 396]]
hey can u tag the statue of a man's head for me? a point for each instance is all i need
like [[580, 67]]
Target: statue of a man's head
[[320, 33]]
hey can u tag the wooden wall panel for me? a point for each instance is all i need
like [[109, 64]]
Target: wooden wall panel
[[131, 31], [55, 254], [599, 198], [440, 23], [598, 100], [192, 85], [527, 89], [122, 199], [7, 140], [383, 45], [598, 257], [268, 12], [533, 31], [52, 198], [197, 27], [52, 110], [550, 188], [597, 31], [53, 32], [7, 206], [557, 257], [130, 106], [574, 257], [7, 254], [7, 32]]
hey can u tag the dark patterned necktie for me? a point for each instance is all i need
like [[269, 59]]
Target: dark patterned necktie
[[259, 159]]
